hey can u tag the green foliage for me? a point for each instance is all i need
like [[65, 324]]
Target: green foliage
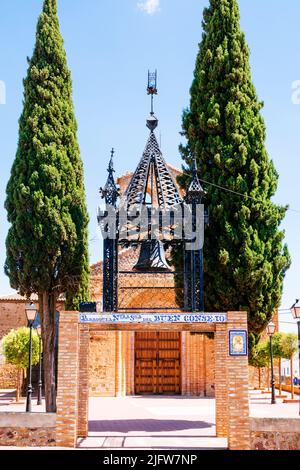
[[284, 346], [47, 243], [277, 343], [260, 355], [16, 347], [244, 257], [289, 345]]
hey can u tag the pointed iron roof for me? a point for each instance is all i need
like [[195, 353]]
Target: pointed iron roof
[[195, 190], [152, 162]]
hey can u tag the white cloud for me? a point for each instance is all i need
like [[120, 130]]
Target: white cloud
[[149, 6]]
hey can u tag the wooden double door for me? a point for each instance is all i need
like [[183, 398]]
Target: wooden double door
[[157, 363]]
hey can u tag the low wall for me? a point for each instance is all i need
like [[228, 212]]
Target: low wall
[[288, 388], [275, 433], [27, 429], [8, 376]]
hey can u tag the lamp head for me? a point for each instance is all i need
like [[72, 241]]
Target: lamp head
[[295, 309], [271, 328], [31, 311]]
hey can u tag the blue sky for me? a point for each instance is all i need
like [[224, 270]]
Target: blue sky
[[110, 46]]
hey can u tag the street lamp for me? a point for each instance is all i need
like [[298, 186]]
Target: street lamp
[[39, 400], [296, 314], [271, 328], [31, 311]]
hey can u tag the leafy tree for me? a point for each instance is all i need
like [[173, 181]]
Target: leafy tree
[[260, 358], [289, 349], [16, 351], [47, 249], [278, 353], [245, 260]]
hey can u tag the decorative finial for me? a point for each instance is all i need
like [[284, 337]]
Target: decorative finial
[[195, 191], [152, 86], [110, 168], [110, 191], [152, 121]]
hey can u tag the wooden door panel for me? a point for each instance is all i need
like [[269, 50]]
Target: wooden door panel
[[157, 363]]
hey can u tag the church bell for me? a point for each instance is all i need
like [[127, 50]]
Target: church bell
[[152, 257]]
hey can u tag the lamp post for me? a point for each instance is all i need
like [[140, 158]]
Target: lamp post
[[39, 399], [296, 314], [31, 311], [271, 330]]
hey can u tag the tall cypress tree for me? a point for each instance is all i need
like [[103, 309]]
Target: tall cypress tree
[[245, 260], [47, 245]]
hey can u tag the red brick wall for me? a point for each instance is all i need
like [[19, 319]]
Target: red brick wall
[[209, 366], [12, 316]]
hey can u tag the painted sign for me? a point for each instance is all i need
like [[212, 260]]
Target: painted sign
[[238, 343], [150, 318]]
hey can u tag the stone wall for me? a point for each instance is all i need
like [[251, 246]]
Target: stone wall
[[254, 378], [27, 429], [8, 376], [275, 434], [102, 364]]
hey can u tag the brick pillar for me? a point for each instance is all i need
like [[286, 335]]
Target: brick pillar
[[123, 362], [183, 363], [221, 386], [67, 388], [130, 363], [118, 364], [209, 346], [238, 390], [83, 384]]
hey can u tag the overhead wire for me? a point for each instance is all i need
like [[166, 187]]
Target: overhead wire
[[245, 196]]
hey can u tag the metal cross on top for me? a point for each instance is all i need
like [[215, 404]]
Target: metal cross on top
[[152, 87]]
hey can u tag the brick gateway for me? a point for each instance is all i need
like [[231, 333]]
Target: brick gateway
[[144, 221], [231, 385]]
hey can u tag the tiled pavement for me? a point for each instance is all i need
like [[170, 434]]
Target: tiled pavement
[[152, 423], [260, 406]]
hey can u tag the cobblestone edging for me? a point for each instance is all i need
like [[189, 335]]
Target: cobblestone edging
[[27, 429], [275, 434]]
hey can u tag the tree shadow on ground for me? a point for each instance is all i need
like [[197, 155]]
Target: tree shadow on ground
[[146, 425]]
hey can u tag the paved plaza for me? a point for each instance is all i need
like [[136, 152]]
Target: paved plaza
[[167, 422], [150, 422]]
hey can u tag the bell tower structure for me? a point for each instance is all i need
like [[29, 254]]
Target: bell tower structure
[[152, 189]]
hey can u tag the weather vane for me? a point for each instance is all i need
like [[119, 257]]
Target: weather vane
[[152, 86]]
